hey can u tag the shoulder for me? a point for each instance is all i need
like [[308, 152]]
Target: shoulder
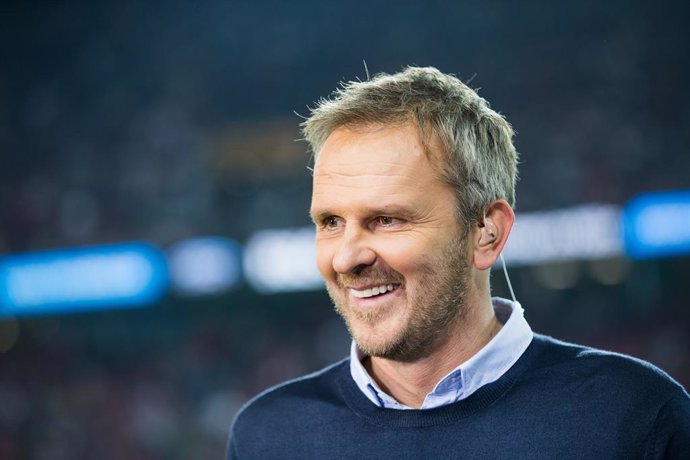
[[609, 373], [317, 386], [295, 403], [609, 396]]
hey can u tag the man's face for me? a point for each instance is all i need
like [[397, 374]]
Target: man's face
[[388, 241]]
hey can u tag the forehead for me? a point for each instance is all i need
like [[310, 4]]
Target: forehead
[[373, 163], [377, 148]]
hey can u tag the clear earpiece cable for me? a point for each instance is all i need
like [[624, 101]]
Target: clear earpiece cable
[[505, 272]]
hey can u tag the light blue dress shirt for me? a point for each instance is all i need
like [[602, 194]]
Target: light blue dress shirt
[[486, 366]]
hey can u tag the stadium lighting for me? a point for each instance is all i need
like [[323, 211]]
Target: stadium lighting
[[118, 275]]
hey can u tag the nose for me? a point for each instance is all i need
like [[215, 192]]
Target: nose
[[354, 252]]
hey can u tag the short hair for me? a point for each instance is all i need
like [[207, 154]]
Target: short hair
[[478, 157]]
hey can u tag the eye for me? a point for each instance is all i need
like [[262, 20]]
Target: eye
[[330, 222], [386, 221]]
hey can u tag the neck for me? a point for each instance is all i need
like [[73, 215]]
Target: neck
[[410, 382]]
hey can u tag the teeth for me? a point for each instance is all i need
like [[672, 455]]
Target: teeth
[[372, 292]]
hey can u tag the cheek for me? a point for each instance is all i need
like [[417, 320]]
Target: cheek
[[403, 254], [324, 259]]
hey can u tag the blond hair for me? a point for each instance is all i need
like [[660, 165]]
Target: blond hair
[[477, 156]]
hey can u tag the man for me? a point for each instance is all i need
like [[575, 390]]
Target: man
[[413, 190]]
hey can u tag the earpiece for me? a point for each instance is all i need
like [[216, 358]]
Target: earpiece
[[488, 233]]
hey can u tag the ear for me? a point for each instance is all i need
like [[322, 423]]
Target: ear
[[491, 234]]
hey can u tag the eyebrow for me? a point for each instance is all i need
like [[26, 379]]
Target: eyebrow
[[392, 210], [319, 215]]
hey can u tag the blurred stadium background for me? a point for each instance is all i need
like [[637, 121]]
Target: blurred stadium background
[[155, 256]]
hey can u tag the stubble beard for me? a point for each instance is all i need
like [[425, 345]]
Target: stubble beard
[[437, 306]]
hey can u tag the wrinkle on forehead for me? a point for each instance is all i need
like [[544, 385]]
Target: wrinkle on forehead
[[334, 177]]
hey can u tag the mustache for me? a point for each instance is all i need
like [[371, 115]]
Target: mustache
[[370, 275]]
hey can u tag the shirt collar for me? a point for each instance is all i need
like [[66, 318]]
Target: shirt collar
[[486, 366]]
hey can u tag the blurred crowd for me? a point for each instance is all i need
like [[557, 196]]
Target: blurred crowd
[[132, 385], [115, 126], [141, 122]]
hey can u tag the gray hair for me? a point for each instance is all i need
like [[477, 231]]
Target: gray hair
[[474, 142]]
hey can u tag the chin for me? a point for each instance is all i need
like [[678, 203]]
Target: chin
[[383, 334], [380, 341]]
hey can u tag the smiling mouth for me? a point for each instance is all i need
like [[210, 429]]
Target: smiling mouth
[[374, 291]]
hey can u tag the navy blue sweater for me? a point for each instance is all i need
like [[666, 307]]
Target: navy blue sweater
[[559, 401]]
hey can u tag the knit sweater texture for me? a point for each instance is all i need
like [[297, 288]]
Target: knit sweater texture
[[559, 401]]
